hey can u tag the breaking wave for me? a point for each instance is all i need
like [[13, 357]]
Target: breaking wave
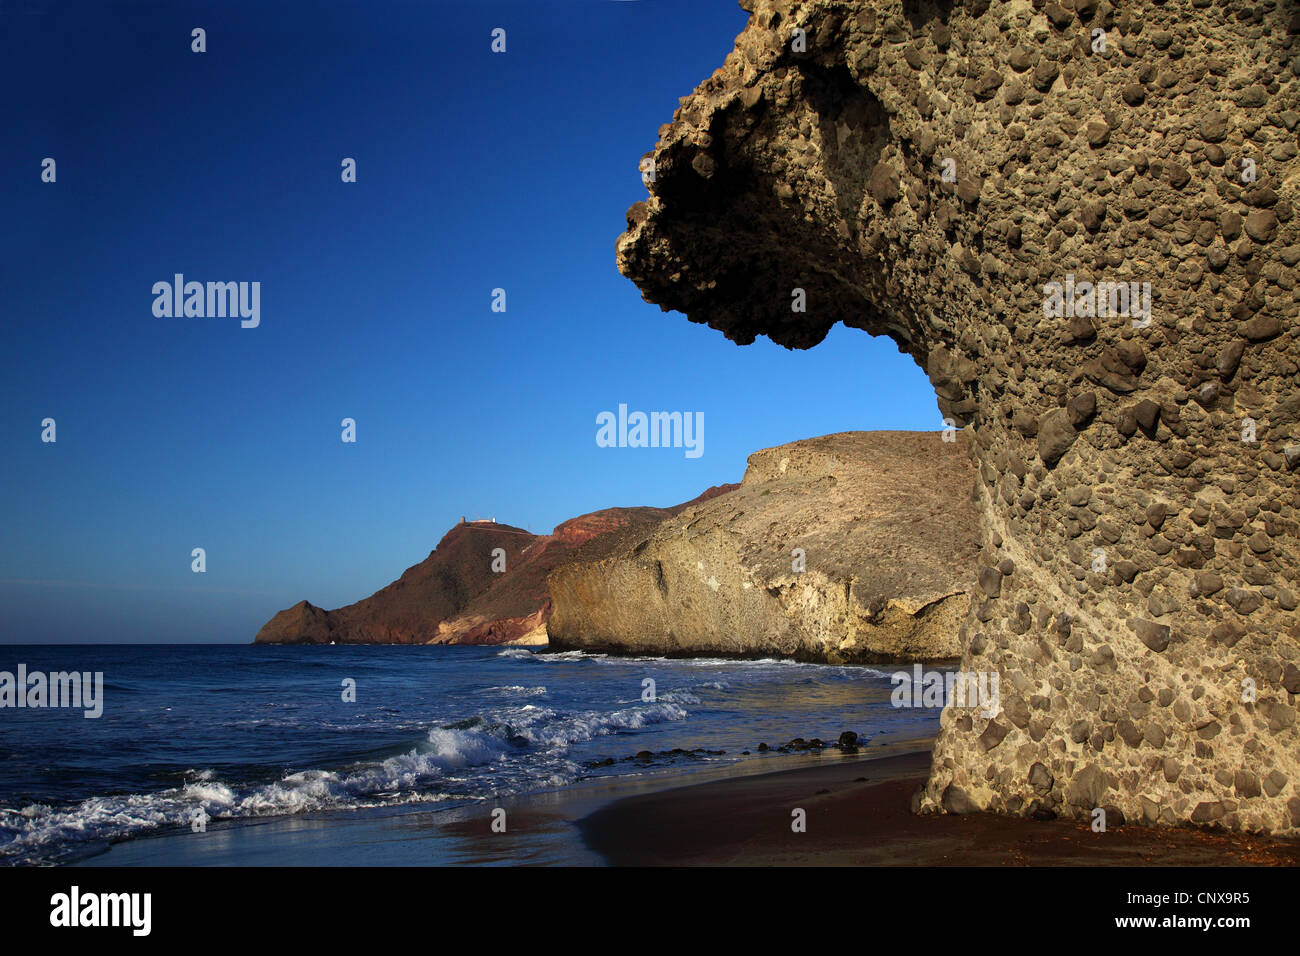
[[522, 751]]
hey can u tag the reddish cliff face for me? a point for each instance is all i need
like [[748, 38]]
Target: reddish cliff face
[[455, 597]]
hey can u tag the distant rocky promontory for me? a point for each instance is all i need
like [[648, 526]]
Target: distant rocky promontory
[[851, 548], [454, 596]]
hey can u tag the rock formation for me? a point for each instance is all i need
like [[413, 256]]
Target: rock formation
[[455, 597], [928, 171], [858, 547]]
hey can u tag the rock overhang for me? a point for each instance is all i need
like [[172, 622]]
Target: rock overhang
[[990, 150]]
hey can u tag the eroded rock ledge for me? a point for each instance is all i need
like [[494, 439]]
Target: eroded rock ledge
[[857, 547], [1147, 640]]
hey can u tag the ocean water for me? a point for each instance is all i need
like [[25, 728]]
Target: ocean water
[[229, 732]]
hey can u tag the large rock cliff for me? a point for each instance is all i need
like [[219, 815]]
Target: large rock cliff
[[951, 175], [858, 547], [461, 593]]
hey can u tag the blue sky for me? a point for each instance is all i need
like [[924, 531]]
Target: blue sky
[[475, 171]]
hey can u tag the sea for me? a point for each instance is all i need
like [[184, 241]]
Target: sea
[[198, 736]]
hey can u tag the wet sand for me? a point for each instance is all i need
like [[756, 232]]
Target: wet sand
[[859, 814], [542, 828]]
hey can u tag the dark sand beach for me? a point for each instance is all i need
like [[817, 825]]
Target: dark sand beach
[[859, 813]]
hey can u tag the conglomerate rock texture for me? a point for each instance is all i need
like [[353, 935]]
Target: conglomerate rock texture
[[850, 548], [1139, 567]]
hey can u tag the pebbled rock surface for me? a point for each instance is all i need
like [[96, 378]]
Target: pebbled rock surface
[[888, 535], [1147, 641], [454, 597]]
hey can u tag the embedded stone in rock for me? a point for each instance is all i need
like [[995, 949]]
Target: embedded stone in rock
[[1147, 414], [1275, 782], [1086, 790], [933, 271], [1126, 422], [1244, 601], [1134, 94], [884, 185], [1153, 635], [1055, 435], [968, 190], [1252, 96], [1230, 223], [1208, 582], [993, 735], [1229, 359], [1092, 214], [1261, 225], [1060, 17], [1045, 74], [1080, 327], [1207, 811], [1155, 514], [990, 581], [1291, 679], [1261, 328], [1024, 422], [1246, 784], [1214, 126], [1261, 195], [955, 800], [987, 84]]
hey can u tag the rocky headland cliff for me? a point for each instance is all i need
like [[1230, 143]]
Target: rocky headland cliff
[[964, 177], [459, 594], [850, 548]]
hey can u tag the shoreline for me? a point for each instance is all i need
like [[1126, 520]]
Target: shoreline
[[543, 827], [858, 813]]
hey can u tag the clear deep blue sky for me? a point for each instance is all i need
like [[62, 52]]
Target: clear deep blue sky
[[475, 171]]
